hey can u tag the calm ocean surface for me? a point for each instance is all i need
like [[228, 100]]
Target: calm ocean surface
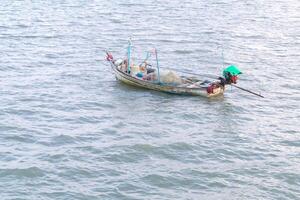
[[69, 130]]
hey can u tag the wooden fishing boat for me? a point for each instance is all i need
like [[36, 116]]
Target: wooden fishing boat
[[188, 87], [145, 76]]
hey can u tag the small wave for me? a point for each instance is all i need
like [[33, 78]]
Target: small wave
[[59, 140], [291, 143], [183, 51], [30, 172], [21, 138]]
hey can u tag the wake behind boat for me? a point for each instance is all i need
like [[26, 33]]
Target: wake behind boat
[[146, 76]]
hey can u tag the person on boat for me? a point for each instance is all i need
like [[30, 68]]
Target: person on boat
[[147, 67]]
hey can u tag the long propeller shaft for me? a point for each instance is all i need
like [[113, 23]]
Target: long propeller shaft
[[248, 91]]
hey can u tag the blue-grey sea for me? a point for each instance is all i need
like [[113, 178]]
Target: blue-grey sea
[[70, 131]]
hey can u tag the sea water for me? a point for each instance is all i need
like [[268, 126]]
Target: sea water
[[69, 130]]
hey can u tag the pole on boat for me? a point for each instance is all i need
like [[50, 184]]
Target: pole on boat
[[128, 55], [157, 65], [248, 91]]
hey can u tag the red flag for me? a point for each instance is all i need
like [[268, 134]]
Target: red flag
[[109, 57]]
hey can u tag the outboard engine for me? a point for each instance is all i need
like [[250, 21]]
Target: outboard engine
[[231, 74]]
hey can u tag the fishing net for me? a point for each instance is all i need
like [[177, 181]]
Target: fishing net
[[170, 77]]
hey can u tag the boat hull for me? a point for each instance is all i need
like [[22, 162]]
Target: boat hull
[[127, 79]]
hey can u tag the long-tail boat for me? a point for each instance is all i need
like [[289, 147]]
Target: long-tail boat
[[145, 75]]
